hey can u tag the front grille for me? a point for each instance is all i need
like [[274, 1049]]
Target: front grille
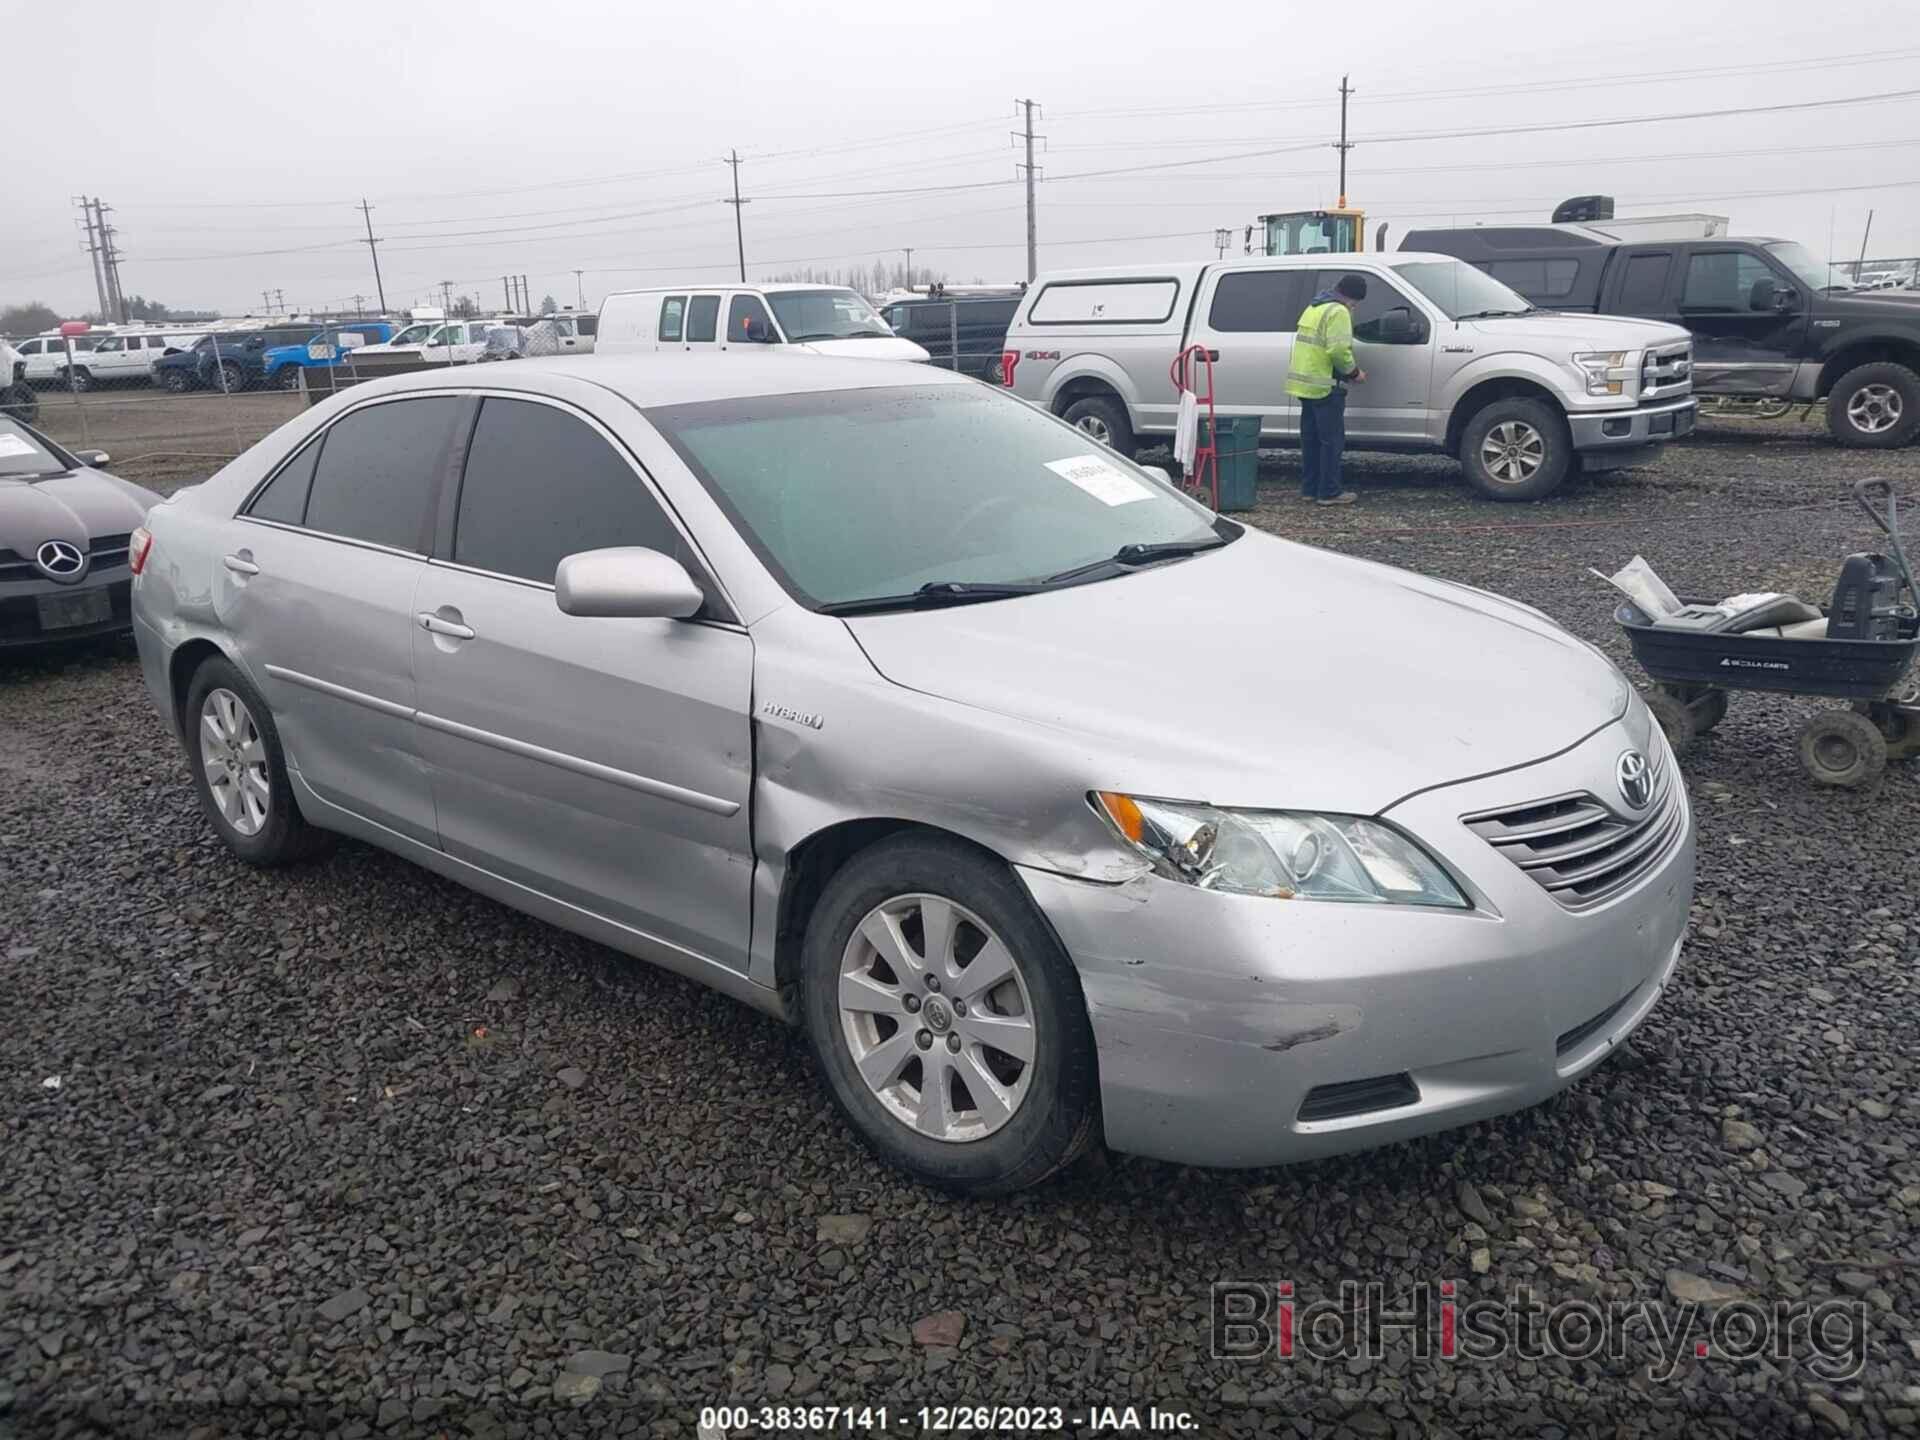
[[1584, 1031], [1581, 850], [1357, 1097], [1666, 371], [103, 553]]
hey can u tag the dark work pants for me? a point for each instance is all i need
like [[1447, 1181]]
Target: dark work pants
[[1323, 436]]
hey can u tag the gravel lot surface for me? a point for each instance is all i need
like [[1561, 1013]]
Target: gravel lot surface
[[348, 1150]]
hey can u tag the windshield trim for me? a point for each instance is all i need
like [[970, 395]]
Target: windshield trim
[[660, 418]]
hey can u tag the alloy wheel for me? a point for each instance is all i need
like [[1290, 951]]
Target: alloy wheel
[[234, 760], [937, 1017], [1874, 408], [1512, 451], [1094, 426]]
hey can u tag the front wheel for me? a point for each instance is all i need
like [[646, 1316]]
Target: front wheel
[[1516, 450], [287, 377], [946, 1018], [1875, 407], [176, 380], [77, 380], [232, 378], [1103, 418]]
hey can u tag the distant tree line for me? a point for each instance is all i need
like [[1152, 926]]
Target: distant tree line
[[35, 316]]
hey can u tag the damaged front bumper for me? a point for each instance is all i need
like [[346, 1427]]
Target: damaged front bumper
[[1239, 1030]]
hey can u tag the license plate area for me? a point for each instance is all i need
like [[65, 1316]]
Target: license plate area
[[69, 611]]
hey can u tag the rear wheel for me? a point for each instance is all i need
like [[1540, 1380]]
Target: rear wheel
[[240, 771], [1875, 407], [1103, 418], [1841, 747], [948, 1021], [1516, 449], [76, 379]]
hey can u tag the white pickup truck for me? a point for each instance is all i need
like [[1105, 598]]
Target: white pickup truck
[[1455, 362]]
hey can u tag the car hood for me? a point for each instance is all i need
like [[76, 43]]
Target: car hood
[[875, 347], [1268, 675], [73, 507], [1579, 331]]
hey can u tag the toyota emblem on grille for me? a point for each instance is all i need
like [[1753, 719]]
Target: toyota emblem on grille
[[1636, 779], [59, 560]]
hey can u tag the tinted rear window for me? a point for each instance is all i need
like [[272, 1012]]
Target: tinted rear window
[[285, 496], [376, 472], [1260, 300]]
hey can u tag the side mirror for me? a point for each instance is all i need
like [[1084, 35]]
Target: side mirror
[[1763, 296], [758, 332], [1786, 298], [1399, 326], [92, 457], [627, 582]]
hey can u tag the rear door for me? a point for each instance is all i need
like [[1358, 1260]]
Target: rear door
[[604, 762], [1248, 318], [317, 591]]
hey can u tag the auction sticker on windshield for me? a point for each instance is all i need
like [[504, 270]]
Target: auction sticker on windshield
[[1100, 480], [14, 445]]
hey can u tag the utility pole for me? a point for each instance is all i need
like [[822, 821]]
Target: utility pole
[[266, 302], [1033, 247], [446, 297], [280, 301], [909, 279], [526, 301], [579, 290], [109, 262], [1860, 264], [507, 292], [93, 253], [1344, 144], [359, 301], [739, 232], [373, 246]]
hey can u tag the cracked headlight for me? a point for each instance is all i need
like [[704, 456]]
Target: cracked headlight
[[1286, 854], [1605, 370]]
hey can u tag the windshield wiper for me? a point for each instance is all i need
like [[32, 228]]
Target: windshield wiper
[[1128, 556], [1496, 314], [933, 595]]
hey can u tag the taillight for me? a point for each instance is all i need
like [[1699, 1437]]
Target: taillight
[[139, 546], [1008, 359]]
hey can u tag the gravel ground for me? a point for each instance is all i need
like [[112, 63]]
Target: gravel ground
[[159, 439], [348, 1150]]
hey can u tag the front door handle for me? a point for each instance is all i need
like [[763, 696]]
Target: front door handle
[[440, 626], [241, 564]]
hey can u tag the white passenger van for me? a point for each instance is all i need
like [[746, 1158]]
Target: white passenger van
[[820, 319]]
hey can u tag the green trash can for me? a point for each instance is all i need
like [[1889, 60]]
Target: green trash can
[[1239, 455]]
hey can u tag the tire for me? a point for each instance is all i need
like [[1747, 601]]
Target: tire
[[1516, 450], [20, 402], [1675, 717], [1045, 1111], [265, 834], [1841, 747], [1709, 710], [1875, 407], [235, 378], [76, 379], [287, 377], [1103, 418], [176, 380]]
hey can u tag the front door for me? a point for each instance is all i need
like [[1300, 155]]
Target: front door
[[1248, 321], [1393, 345], [603, 762], [317, 591], [1744, 342]]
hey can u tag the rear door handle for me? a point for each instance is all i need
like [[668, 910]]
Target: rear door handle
[[241, 565], [429, 621]]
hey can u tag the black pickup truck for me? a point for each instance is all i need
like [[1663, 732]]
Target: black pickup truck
[[1767, 319]]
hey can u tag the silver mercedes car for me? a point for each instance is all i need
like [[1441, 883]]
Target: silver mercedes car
[[65, 528], [1053, 806]]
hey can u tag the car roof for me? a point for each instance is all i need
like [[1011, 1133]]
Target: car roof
[[752, 286], [674, 378]]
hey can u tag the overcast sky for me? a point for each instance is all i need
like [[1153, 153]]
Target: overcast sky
[[494, 138]]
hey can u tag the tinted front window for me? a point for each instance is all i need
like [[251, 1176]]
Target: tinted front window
[[825, 315], [1458, 289], [742, 314], [285, 496], [542, 485], [1259, 300], [377, 470], [703, 315], [851, 494], [589, 324], [1723, 280], [1381, 297]]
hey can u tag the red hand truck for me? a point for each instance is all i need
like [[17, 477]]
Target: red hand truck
[[1202, 477]]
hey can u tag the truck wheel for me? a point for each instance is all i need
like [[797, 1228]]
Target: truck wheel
[[287, 377], [1839, 747], [1875, 407], [1103, 418], [76, 379], [1516, 450], [176, 380], [232, 378], [20, 402]]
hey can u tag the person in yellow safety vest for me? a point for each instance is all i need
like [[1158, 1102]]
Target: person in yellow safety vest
[[1321, 368]]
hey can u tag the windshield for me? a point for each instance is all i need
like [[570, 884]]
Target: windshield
[[412, 335], [22, 455], [1462, 291], [1815, 274], [825, 315], [853, 494]]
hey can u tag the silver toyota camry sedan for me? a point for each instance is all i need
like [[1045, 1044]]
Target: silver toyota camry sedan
[[1053, 806]]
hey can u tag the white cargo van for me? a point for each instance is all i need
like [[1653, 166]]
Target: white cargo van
[[820, 319]]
